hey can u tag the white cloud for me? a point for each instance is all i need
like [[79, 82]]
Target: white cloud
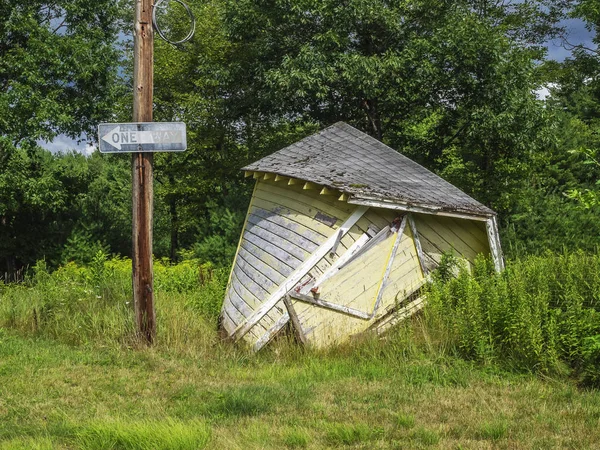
[[64, 144]]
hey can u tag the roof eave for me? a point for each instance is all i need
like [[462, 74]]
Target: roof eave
[[419, 208]]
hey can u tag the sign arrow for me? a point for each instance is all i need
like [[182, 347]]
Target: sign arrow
[[144, 137]]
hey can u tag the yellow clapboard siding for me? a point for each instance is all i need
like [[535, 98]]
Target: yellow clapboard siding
[[328, 327], [405, 275], [283, 233], [302, 217], [226, 322], [286, 246], [442, 238], [277, 252], [456, 232], [310, 199], [474, 229], [240, 287], [266, 269], [278, 219], [355, 284], [267, 258]]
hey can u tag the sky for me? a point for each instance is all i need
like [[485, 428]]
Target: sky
[[557, 50]]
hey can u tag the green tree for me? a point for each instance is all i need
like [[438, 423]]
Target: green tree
[[58, 71], [450, 84]]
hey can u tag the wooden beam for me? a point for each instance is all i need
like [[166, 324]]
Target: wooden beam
[[327, 191], [335, 245], [257, 175], [296, 275], [268, 176], [380, 236], [280, 178], [248, 173], [413, 208], [343, 198], [329, 305], [300, 336], [334, 268], [294, 181], [491, 226], [271, 332], [388, 269], [420, 254], [142, 175], [309, 186]]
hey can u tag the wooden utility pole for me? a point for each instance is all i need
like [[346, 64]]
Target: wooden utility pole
[[143, 192]]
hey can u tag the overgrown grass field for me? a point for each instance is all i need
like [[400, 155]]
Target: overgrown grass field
[[494, 361]]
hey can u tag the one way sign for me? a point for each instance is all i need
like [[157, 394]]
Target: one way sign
[[142, 137]]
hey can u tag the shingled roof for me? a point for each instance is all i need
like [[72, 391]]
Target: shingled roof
[[344, 158]]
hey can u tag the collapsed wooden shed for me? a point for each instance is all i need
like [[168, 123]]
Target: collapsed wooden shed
[[341, 234]]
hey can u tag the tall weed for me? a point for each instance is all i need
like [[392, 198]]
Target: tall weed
[[534, 316]]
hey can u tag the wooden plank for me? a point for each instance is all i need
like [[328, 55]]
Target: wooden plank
[[310, 186], [244, 294], [445, 227], [417, 241], [376, 203], [296, 275], [329, 305], [378, 238], [442, 239], [284, 245], [237, 250], [388, 269], [494, 240], [248, 173], [284, 233], [236, 300], [472, 229], [271, 273], [268, 259], [281, 178], [335, 267], [226, 322], [271, 332], [252, 286], [256, 275], [248, 309], [291, 211], [312, 200], [300, 337], [285, 222], [272, 249]]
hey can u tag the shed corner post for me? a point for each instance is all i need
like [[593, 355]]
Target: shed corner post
[[491, 226]]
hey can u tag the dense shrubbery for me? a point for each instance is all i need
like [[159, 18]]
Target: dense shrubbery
[[541, 314], [78, 305]]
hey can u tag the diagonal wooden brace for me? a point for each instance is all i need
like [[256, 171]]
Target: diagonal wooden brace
[[296, 275]]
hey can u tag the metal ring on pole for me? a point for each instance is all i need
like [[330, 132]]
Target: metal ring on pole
[[160, 32]]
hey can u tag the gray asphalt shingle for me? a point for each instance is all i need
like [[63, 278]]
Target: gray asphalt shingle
[[344, 158]]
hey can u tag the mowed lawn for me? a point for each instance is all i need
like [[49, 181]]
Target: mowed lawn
[[370, 395]]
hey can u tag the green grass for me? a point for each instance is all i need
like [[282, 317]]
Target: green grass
[[55, 395], [72, 376]]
